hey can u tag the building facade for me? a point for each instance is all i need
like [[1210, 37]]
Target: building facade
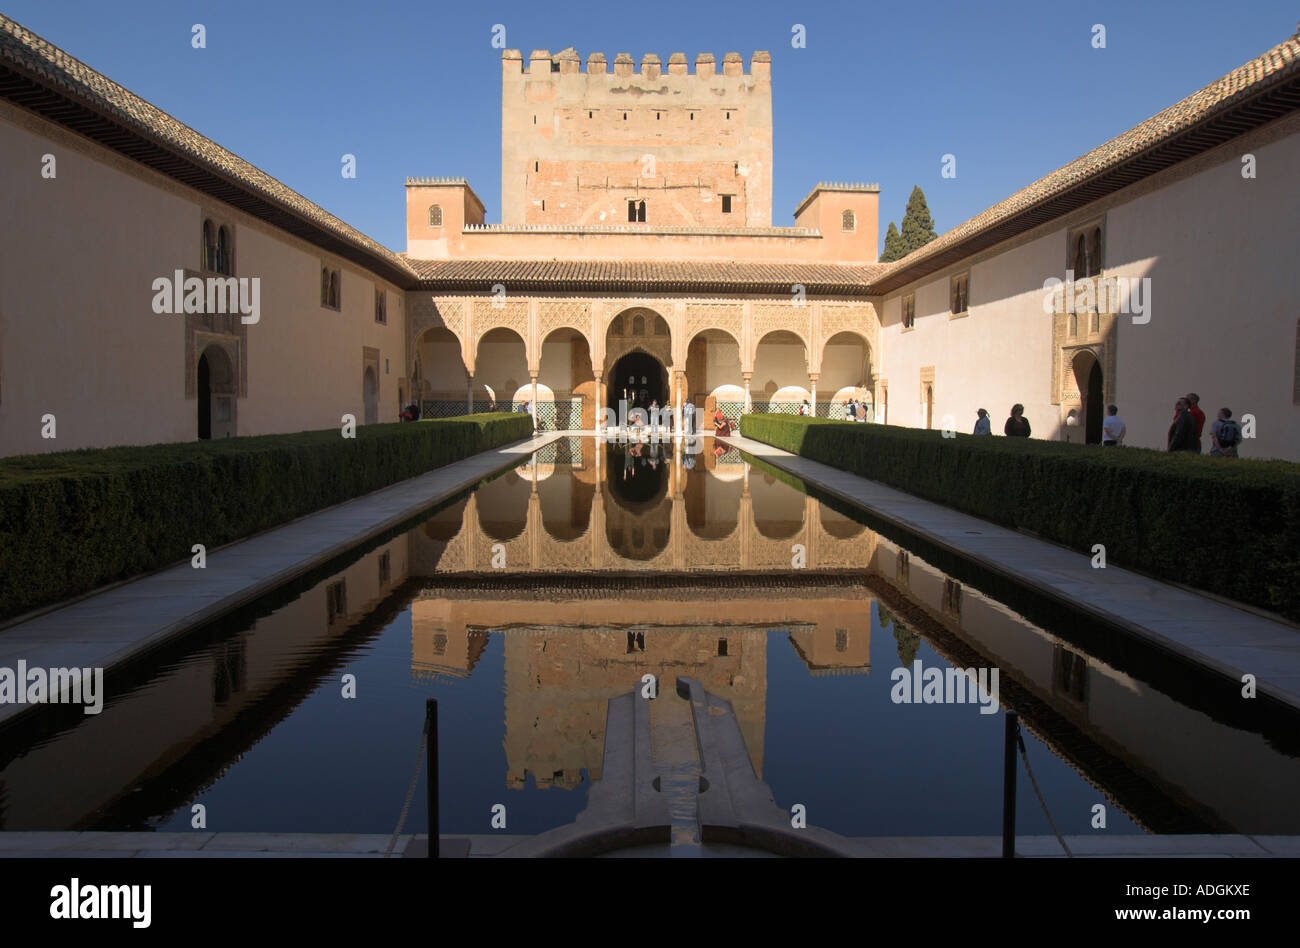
[[636, 261]]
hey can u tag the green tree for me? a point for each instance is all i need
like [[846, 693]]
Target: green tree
[[893, 244], [918, 226], [909, 643]]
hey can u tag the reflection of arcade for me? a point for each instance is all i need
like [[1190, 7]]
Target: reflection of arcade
[[638, 505], [564, 660]]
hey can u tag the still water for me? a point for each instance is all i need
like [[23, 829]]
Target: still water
[[527, 604]]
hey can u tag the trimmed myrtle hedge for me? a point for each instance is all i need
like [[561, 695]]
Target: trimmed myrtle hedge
[[76, 520], [1228, 526]]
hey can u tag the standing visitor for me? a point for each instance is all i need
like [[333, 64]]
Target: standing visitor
[[1017, 425], [1194, 409], [982, 424], [721, 426], [803, 409], [1225, 435], [688, 417], [1182, 433], [1113, 428]]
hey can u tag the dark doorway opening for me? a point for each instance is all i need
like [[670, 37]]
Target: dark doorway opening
[[205, 398], [1092, 407], [640, 378]]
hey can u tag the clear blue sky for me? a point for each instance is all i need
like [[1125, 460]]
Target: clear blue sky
[[881, 92]]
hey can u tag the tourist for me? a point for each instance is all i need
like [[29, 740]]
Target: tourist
[[1194, 409], [862, 412], [1182, 433], [803, 409], [1017, 425], [688, 417], [1225, 435], [666, 417], [982, 424], [850, 410], [1113, 428], [721, 427]]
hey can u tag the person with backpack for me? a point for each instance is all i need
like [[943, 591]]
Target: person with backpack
[[1225, 435]]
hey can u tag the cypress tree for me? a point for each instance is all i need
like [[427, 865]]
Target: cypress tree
[[918, 226], [893, 244]]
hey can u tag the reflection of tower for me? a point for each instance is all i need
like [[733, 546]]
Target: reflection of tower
[[839, 644], [441, 643], [559, 682]]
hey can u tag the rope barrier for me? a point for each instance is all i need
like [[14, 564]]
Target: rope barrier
[[1020, 740], [410, 790]]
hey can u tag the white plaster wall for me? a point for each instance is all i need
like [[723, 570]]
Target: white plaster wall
[[998, 355], [80, 338], [1220, 252]]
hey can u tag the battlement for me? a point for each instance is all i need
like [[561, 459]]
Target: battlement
[[542, 63], [435, 182]]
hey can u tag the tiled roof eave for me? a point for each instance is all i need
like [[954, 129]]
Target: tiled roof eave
[[457, 285]]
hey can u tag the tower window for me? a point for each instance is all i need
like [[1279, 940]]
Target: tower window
[[848, 222], [636, 212], [435, 215], [726, 204]]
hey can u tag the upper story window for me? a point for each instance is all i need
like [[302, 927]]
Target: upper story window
[[636, 212], [329, 287], [381, 306], [435, 215], [209, 246], [848, 222], [218, 248], [1085, 251], [959, 294], [909, 311], [726, 204]]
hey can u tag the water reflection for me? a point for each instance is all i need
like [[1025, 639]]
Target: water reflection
[[526, 606]]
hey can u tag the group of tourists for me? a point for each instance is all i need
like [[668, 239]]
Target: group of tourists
[[1017, 425], [1184, 434], [1189, 424]]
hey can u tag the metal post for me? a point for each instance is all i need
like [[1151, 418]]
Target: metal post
[[1012, 722], [431, 738]]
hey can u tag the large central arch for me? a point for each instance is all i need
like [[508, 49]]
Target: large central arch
[[638, 359]]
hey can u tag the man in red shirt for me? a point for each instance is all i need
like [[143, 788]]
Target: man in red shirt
[[1194, 401]]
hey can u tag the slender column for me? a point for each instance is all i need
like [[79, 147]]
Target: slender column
[[533, 404], [812, 379], [600, 402], [469, 395], [749, 402]]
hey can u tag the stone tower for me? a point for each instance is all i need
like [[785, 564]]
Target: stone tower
[[650, 147]]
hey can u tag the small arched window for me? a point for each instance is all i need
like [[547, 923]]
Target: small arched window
[[224, 262], [1094, 252], [1074, 324], [209, 247], [848, 221], [1080, 257], [334, 288], [435, 215], [324, 286]]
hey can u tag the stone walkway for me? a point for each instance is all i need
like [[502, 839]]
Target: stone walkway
[[1207, 631], [109, 627]]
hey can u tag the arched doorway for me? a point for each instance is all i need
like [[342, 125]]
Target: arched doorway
[[215, 394], [641, 379], [370, 396], [1088, 377]]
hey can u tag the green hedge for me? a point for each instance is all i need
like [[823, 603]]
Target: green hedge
[[1228, 526], [76, 520]]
